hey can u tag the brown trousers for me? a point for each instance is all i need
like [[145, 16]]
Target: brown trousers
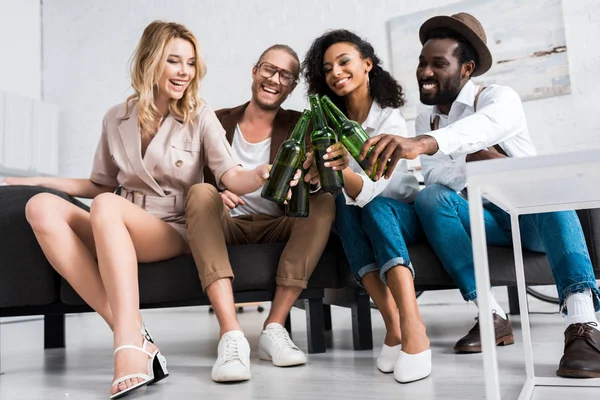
[[210, 228]]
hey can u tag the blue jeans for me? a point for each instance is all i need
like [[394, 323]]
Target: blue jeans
[[445, 218], [375, 236]]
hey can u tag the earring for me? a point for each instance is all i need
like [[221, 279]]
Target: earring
[[368, 83]]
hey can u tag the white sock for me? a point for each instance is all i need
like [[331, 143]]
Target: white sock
[[494, 306], [580, 308]]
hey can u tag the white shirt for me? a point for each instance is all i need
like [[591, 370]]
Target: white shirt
[[499, 119], [251, 155], [402, 185]]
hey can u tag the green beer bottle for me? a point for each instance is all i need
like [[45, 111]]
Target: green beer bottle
[[298, 206], [321, 138], [286, 162], [350, 133]]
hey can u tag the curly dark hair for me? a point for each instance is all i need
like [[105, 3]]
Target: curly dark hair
[[386, 91]]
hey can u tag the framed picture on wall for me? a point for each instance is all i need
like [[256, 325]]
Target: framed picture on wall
[[526, 38]]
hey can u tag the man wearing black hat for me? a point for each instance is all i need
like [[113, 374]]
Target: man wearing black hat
[[470, 123]]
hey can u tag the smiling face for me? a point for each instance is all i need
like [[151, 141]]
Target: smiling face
[[345, 70], [440, 75], [270, 93], [178, 71]]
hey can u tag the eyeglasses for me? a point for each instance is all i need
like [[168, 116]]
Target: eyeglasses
[[267, 70]]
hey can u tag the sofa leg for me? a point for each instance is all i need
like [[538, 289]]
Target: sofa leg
[[54, 331], [513, 300], [327, 317], [315, 326], [1, 372], [362, 331]]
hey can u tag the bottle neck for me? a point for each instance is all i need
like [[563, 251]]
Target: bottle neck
[[317, 113], [334, 113], [299, 131]]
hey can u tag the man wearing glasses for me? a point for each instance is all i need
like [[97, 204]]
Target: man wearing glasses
[[256, 130]]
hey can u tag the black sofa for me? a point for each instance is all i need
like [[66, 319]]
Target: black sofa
[[29, 285]]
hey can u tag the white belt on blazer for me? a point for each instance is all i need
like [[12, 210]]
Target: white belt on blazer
[[173, 204]]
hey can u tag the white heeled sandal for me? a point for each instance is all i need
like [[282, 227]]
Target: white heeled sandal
[[157, 367], [161, 374]]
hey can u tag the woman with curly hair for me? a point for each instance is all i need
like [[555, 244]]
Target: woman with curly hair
[[376, 220], [154, 146]]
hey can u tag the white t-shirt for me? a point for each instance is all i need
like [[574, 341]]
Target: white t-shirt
[[251, 155]]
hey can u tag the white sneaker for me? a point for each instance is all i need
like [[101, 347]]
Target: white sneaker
[[388, 357], [233, 359], [275, 344]]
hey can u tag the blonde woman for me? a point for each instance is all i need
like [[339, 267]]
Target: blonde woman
[[154, 146]]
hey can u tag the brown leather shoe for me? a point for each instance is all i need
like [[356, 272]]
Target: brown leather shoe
[[581, 358], [471, 343]]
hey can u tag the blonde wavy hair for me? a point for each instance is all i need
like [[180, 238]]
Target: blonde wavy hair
[[147, 66]]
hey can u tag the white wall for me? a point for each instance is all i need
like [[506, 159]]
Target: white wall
[[87, 46], [20, 44]]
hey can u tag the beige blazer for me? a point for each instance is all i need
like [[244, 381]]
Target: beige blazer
[[173, 162]]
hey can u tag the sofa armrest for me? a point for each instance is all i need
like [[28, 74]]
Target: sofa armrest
[[590, 222], [26, 277]]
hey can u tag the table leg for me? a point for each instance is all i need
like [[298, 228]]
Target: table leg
[[482, 280], [525, 327]]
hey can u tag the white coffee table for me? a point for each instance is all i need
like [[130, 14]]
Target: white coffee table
[[532, 185]]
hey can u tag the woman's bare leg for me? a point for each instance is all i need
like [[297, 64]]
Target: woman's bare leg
[[125, 234], [387, 307], [64, 233], [414, 333]]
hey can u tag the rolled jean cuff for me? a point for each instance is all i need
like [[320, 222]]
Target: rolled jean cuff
[[392, 263], [470, 296], [365, 270], [579, 287]]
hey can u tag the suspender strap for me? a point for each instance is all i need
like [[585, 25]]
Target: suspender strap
[[435, 123], [481, 89], [495, 147]]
